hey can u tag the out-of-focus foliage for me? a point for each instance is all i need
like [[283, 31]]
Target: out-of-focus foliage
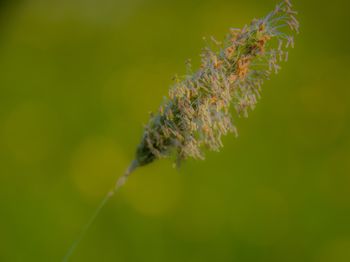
[[77, 79]]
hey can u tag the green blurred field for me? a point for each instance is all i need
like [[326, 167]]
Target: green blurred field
[[77, 80]]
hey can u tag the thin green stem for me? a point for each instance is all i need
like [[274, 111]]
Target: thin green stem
[[120, 182]]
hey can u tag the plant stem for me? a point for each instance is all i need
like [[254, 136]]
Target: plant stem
[[120, 182]]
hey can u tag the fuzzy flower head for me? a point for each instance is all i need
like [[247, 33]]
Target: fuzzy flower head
[[197, 113]]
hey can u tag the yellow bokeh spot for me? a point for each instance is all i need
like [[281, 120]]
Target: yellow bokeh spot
[[96, 165], [336, 251], [153, 192]]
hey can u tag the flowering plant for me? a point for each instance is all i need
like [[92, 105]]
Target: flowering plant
[[197, 112]]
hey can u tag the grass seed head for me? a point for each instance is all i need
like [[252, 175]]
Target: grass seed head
[[197, 113]]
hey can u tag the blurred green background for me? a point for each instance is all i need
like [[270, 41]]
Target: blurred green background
[[77, 80]]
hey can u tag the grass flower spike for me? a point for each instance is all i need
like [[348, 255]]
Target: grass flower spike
[[198, 110]]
